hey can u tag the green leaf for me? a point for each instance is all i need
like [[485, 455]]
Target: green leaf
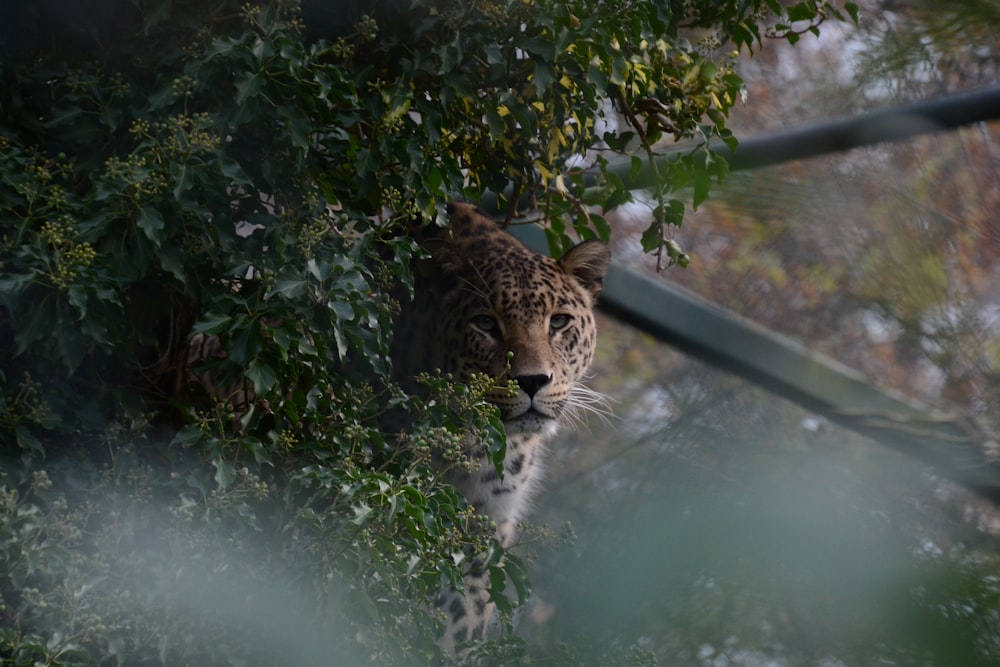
[[801, 12], [498, 444], [652, 237], [213, 323], [297, 126], [854, 11], [245, 343], [543, 76], [494, 56], [248, 85], [77, 297], [364, 163], [40, 323], [11, 284], [434, 178], [618, 67], [343, 310], [518, 575], [282, 340], [289, 283], [188, 436], [71, 346], [171, 261], [702, 184], [183, 179], [543, 50], [602, 227], [498, 582], [151, 222], [636, 168], [27, 441], [451, 56], [708, 71], [673, 214], [225, 474], [742, 35], [495, 123], [262, 376], [232, 170]]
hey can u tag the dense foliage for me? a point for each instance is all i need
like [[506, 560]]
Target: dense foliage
[[174, 169]]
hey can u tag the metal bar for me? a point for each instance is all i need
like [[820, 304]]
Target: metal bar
[[813, 140], [895, 124]]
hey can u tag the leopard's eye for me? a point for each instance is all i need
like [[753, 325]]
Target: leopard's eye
[[558, 321], [486, 324]]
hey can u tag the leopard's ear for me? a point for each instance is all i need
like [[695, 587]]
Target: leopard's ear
[[452, 248], [445, 257], [469, 221], [588, 263]]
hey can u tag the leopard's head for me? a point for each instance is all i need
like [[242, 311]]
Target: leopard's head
[[485, 301]]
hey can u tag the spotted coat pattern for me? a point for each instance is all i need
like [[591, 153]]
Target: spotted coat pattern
[[482, 296]]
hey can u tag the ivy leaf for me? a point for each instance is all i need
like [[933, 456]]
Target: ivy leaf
[[40, 323], [854, 11], [188, 436], [248, 85], [498, 582], [225, 474], [262, 375], [151, 222], [702, 184], [652, 237], [803, 11], [172, 261], [498, 445], [636, 168], [213, 323], [245, 343], [289, 284], [28, 442]]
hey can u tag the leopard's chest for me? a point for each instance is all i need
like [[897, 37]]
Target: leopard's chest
[[506, 500]]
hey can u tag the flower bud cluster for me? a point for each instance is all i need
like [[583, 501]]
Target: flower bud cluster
[[27, 406], [69, 256]]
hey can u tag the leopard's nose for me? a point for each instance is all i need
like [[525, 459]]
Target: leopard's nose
[[532, 383]]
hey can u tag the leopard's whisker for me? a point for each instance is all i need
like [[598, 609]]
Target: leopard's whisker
[[583, 400]]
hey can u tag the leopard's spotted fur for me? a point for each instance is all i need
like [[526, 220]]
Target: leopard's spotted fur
[[484, 295]]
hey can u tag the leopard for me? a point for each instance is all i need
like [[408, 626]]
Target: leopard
[[486, 304]]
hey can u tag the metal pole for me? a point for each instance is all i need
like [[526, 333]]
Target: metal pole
[[813, 140]]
